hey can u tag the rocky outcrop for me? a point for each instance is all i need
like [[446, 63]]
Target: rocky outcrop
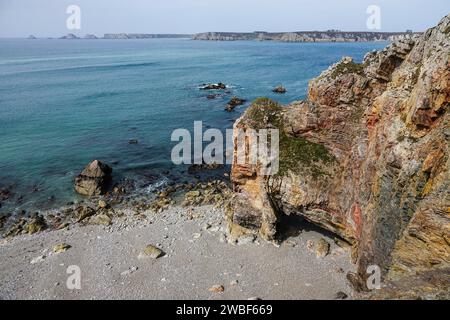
[[305, 36], [94, 180], [366, 156]]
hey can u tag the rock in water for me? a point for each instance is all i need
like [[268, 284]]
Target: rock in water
[[279, 89], [94, 180], [233, 103], [322, 248], [214, 86], [151, 252]]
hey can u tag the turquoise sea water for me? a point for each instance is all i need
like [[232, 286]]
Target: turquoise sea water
[[64, 103]]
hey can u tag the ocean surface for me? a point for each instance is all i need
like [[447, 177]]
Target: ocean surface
[[64, 103]]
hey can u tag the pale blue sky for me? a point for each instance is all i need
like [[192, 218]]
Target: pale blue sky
[[48, 17]]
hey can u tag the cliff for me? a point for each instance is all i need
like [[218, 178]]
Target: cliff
[[305, 36], [366, 156]]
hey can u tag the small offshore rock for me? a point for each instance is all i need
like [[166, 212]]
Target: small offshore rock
[[214, 86], [279, 89], [151, 252], [62, 247], [322, 248]]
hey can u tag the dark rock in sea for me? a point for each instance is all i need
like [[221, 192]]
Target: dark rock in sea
[[4, 194], [279, 89], [94, 180], [31, 37], [233, 103], [214, 86], [212, 96], [133, 141]]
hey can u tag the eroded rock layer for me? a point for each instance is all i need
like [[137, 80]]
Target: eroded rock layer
[[365, 156]]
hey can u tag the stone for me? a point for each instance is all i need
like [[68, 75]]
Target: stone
[[340, 296], [62, 247], [101, 219], [133, 141], [152, 252], [36, 224], [94, 180], [102, 204], [37, 259], [217, 289], [83, 212], [322, 248], [129, 271]]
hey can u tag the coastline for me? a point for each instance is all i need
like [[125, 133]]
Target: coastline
[[197, 257]]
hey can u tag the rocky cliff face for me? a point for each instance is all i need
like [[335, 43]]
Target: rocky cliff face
[[365, 156]]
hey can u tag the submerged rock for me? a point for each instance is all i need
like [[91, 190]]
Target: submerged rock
[[94, 180]]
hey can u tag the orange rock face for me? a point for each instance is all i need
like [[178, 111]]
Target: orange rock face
[[365, 156]]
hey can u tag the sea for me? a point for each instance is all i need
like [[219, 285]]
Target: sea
[[64, 103]]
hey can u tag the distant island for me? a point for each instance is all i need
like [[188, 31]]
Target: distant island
[[301, 36]]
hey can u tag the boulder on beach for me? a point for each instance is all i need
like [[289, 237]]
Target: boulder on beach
[[214, 86], [279, 89], [94, 180]]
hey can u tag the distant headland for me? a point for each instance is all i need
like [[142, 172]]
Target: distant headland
[[301, 36]]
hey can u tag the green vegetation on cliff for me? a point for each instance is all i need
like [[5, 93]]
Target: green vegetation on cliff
[[295, 152]]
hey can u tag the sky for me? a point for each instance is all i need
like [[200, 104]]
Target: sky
[[19, 18]]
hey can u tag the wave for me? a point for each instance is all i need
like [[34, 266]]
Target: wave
[[104, 67]]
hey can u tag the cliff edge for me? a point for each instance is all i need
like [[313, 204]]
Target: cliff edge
[[366, 156]]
